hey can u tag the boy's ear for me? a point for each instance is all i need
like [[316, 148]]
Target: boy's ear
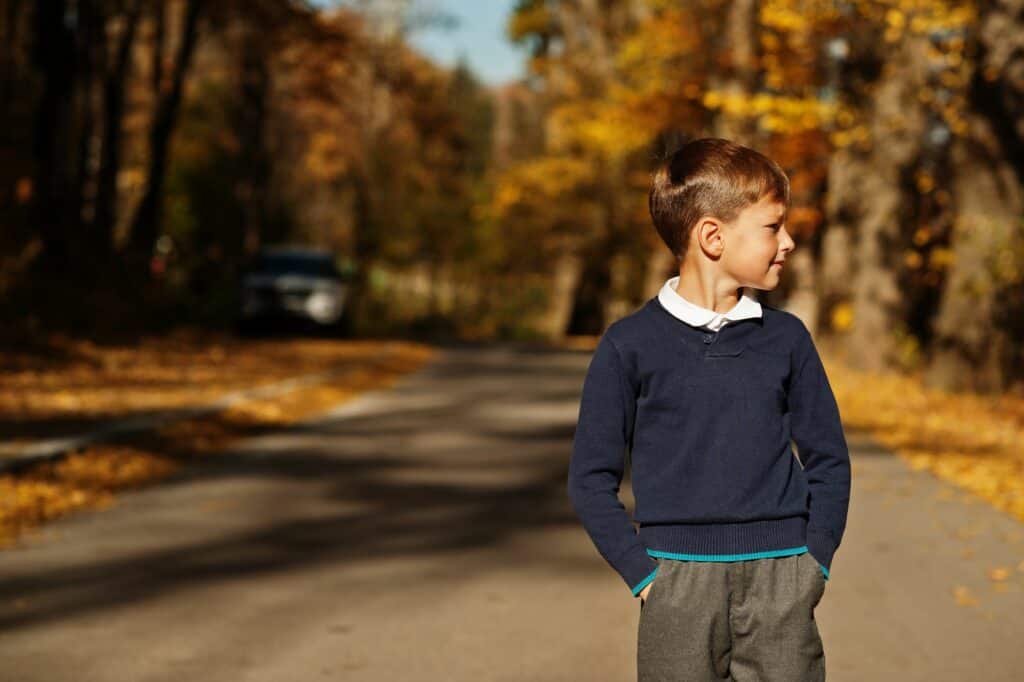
[[709, 235]]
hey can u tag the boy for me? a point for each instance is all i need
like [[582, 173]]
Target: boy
[[705, 387]]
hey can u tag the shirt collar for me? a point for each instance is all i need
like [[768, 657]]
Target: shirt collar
[[699, 316]]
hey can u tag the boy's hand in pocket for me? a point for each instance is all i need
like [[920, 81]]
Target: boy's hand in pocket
[[644, 592]]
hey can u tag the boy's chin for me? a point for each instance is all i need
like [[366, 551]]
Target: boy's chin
[[771, 281]]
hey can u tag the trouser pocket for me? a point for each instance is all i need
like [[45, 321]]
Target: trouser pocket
[[817, 576]]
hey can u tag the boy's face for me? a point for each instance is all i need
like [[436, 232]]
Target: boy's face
[[756, 243]]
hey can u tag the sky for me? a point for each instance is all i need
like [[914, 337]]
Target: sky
[[480, 35]]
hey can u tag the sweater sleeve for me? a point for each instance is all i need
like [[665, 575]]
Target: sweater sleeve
[[603, 433], [818, 433]]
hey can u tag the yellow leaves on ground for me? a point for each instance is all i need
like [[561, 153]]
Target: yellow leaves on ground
[[88, 479], [998, 573], [83, 480], [963, 596], [973, 441], [87, 383], [125, 464], [31, 501]]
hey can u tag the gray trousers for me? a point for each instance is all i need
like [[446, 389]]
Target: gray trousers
[[748, 621]]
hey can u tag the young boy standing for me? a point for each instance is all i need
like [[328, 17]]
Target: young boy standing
[[706, 387]]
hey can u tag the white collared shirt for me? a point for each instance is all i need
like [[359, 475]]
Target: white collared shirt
[[699, 316]]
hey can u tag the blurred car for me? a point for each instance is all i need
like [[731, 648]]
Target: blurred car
[[297, 283]]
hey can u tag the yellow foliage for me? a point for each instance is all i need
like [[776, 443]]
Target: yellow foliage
[[925, 181], [842, 317], [777, 112], [802, 17], [541, 182], [655, 48], [941, 257], [610, 128], [895, 18], [325, 158], [529, 20]]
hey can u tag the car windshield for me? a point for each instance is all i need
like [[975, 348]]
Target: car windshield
[[296, 264]]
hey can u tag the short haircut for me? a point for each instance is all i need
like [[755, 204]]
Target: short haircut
[[709, 176]]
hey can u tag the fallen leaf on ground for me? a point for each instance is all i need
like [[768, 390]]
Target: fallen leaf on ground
[[998, 573], [963, 596]]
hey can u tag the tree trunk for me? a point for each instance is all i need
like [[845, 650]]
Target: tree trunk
[[970, 349], [565, 281], [105, 216], [661, 265], [740, 74], [876, 294], [145, 226], [364, 250], [803, 300], [838, 256], [90, 62], [53, 55], [10, 16], [897, 127], [255, 82]]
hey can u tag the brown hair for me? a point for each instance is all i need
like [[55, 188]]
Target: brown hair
[[709, 176]]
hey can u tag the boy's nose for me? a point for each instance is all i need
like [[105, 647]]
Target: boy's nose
[[787, 241]]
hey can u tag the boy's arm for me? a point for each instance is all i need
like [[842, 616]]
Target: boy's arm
[[818, 432], [603, 431]]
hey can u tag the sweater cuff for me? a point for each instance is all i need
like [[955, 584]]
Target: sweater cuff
[[643, 583], [637, 569], [821, 547]]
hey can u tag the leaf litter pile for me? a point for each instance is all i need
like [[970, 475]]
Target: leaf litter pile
[[972, 441], [969, 440], [76, 386]]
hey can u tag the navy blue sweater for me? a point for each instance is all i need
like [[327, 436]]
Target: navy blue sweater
[[708, 420]]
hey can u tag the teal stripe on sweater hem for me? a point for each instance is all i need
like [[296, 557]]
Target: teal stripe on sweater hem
[[724, 557], [643, 583], [727, 557]]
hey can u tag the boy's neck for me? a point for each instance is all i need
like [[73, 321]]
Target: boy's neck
[[703, 293]]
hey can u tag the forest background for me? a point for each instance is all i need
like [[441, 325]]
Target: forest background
[[149, 147]]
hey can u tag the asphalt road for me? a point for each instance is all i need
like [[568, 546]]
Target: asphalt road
[[423, 533]]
